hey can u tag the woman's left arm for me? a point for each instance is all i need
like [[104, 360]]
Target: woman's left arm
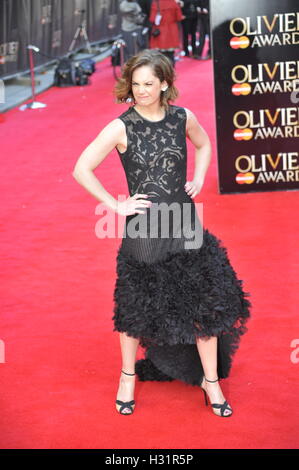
[[202, 144]]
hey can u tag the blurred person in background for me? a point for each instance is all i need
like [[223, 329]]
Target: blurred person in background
[[132, 27], [190, 10], [165, 17], [146, 10], [204, 29], [146, 6]]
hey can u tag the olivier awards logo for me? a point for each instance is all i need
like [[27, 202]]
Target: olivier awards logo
[[265, 124], [262, 125], [280, 29], [265, 168], [258, 79]]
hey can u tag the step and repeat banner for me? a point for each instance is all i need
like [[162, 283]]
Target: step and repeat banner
[[51, 25], [256, 79]]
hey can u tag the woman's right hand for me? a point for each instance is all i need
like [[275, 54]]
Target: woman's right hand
[[133, 205]]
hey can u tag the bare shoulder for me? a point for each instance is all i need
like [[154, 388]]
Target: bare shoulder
[[118, 124], [190, 116], [194, 130], [115, 127], [192, 123], [114, 132], [111, 136]]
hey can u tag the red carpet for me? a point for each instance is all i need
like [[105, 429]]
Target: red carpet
[[62, 360]]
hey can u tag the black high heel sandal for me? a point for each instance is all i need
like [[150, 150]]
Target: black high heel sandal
[[225, 406], [125, 404]]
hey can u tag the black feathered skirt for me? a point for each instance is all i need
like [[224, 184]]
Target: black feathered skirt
[[167, 296]]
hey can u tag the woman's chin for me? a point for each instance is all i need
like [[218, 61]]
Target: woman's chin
[[142, 100]]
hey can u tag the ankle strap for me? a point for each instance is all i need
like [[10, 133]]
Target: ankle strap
[[126, 373], [212, 381]]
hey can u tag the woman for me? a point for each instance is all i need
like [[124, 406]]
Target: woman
[[168, 25], [183, 303]]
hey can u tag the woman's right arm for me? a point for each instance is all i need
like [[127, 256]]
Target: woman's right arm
[[93, 156], [112, 135]]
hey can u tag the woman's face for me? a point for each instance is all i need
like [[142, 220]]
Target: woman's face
[[146, 87]]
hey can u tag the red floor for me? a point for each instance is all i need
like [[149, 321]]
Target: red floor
[[62, 359]]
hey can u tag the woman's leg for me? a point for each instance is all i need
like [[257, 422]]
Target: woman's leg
[[202, 34], [207, 349], [193, 28], [185, 32], [126, 387]]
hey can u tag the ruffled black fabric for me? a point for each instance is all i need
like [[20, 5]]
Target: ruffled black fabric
[[167, 304], [146, 370]]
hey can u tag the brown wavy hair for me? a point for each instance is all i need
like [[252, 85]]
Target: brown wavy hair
[[162, 68]]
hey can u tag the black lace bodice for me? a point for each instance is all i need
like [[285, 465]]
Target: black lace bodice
[[156, 158]]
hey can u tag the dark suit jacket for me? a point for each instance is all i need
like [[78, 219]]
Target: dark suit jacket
[[146, 6], [189, 8], [204, 4]]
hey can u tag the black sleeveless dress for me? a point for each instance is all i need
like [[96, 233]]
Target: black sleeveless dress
[[174, 279]]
